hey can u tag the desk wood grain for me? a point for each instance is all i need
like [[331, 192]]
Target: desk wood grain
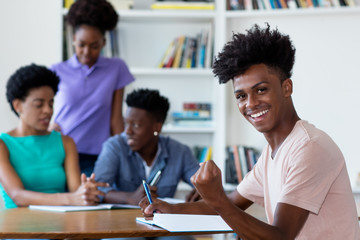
[[28, 223]]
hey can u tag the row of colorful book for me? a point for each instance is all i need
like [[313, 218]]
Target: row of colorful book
[[189, 51], [240, 160], [193, 114], [202, 153], [193, 111], [287, 4]]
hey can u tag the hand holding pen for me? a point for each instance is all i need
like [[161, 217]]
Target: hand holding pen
[[150, 200]]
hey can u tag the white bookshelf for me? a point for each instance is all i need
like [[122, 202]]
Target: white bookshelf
[[324, 37], [146, 35]]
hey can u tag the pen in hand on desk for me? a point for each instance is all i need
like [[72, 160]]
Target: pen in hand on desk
[[156, 178], [147, 191]]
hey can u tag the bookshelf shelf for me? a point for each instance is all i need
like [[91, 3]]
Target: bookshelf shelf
[[162, 14], [292, 12], [171, 72], [167, 14], [356, 189], [187, 130]]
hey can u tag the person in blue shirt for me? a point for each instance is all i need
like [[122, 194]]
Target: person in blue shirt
[[140, 152]]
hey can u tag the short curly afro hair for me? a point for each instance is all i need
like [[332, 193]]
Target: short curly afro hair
[[96, 13], [257, 46], [27, 78], [151, 101]]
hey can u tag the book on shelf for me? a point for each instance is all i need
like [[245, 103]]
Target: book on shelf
[[206, 154], [208, 49], [232, 5], [68, 3], [237, 164], [202, 153], [284, 4], [193, 111], [166, 55], [68, 37], [240, 160], [243, 161], [193, 115], [178, 51], [188, 56], [189, 51], [201, 50], [183, 5], [230, 169]]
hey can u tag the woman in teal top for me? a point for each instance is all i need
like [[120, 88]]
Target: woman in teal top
[[37, 166]]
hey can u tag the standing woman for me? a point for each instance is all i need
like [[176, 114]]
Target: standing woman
[[89, 102]]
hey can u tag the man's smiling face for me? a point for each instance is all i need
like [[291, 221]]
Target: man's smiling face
[[261, 97]]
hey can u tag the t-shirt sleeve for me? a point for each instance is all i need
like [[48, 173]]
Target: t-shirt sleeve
[[124, 75], [310, 175]]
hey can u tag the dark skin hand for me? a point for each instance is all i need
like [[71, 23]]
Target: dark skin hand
[[89, 189], [207, 181]]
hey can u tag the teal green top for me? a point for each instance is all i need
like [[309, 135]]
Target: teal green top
[[39, 162]]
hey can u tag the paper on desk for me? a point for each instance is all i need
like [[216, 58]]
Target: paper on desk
[[187, 222], [102, 206], [81, 208], [172, 200]]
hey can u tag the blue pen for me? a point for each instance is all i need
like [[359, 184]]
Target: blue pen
[[147, 191]]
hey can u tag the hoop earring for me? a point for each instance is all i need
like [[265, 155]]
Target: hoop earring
[[156, 133]]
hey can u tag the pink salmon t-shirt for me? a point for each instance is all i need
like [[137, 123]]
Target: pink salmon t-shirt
[[308, 171]]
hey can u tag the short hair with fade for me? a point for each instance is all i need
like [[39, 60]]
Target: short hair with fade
[[256, 46], [151, 101]]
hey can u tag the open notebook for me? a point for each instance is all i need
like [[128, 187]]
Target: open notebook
[[97, 207], [187, 222], [81, 208]]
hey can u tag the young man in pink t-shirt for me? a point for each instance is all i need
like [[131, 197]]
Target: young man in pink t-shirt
[[300, 178]]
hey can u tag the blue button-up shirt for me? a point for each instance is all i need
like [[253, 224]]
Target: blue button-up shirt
[[124, 169]]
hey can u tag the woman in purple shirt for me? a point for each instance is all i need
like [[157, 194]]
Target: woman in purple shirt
[[89, 102]]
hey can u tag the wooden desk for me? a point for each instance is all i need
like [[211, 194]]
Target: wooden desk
[[28, 223]]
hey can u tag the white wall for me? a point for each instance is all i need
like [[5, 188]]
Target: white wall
[[326, 77], [30, 33]]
